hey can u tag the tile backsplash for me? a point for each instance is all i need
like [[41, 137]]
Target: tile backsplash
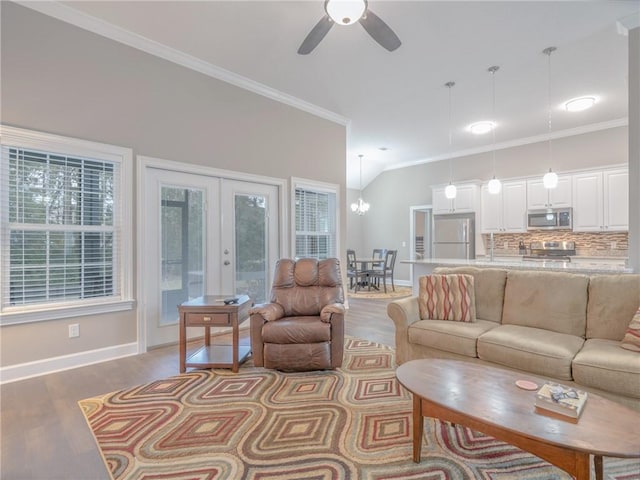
[[612, 244]]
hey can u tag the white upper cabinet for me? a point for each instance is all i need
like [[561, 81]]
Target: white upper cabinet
[[505, 212], [466, 200], [616, 199], [601, 201], [539, 197]]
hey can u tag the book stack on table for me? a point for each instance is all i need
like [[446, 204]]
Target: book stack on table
[[560, 401]]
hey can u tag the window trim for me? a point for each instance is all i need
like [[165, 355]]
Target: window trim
[[29, 139], [317, 186]]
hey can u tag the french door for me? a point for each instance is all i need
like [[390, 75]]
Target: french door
[[203, 235]]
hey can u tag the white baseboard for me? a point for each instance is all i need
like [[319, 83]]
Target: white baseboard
[[22, 371]]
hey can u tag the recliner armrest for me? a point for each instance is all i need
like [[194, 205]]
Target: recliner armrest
[[268, 311], [328, 310]]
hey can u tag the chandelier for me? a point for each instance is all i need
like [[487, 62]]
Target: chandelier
[[360, 207]]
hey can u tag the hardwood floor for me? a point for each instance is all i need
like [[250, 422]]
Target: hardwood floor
[[44, 434]]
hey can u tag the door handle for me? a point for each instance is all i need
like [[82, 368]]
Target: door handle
[[227, 262]]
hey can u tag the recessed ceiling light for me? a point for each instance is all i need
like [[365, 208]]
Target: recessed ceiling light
[[383, 149], [579, 104], [480, 128]]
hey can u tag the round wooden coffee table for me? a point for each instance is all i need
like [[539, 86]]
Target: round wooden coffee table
[[487, 400]]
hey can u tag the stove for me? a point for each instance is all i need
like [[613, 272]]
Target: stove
[[551, 251]]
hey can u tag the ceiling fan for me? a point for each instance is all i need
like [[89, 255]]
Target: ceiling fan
[[348, 12]]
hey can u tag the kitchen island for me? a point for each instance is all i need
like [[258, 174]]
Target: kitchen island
[[427, 265]]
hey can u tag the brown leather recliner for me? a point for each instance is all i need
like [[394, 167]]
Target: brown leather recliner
[[303, 326]]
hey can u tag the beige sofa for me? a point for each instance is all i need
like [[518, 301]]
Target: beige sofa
[[558, 325]]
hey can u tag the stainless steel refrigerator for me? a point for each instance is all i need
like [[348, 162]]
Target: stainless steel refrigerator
[[454, 236]]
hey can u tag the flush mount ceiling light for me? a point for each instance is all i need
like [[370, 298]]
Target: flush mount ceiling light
[[550, 179], [494, 185], [345, 12], [480, 128], [450, 191], [579, 104], [360, 207]]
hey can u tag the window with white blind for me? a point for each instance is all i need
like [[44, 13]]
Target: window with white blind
[[315, 221], [66, 225]]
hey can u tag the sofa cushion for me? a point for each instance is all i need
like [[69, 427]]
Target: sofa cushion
[[455, 337], [296, 330], [613, 299], [447, 297], [604, 365], [489, 289], [555, 301], [530, 349], [631, 340]]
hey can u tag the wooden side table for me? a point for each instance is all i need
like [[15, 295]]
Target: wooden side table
[[210, 311]]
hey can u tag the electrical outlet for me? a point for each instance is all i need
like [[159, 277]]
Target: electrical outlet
[[74, 330], [505, 245], [614, 245], [404, 244]]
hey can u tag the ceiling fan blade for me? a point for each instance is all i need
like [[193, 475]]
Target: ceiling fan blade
[[380, 31], [316, 35]]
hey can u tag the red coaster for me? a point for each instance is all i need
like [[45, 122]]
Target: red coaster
[[526, 385]]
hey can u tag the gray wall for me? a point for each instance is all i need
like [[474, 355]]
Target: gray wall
[[387, 222], [60, 79]]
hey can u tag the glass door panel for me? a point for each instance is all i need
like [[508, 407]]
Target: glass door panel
[[251, 246], [181, 248], [251, 239], [182, 240]]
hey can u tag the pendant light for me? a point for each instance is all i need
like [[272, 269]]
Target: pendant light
[[494, 185], [450, 191], [550, 179], [360, 207]]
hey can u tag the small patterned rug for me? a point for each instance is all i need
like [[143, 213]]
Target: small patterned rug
[[364, 293], [352, 423]]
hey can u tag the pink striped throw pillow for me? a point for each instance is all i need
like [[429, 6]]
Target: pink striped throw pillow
[[447, 297], [631, 340]]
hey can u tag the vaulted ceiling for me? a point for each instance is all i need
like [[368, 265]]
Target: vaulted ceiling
[[397, 100]]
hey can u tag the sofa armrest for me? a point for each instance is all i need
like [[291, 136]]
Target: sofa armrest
[[268, 311], [328, 310], [403, 312]]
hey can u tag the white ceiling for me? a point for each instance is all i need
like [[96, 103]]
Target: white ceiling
[[398, 100]]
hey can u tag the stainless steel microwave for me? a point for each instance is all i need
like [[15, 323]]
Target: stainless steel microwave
[[550, 219]]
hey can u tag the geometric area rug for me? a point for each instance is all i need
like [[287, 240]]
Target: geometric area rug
[[351, 423]]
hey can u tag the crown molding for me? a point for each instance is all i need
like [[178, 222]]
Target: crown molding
[[594, 127], [627, 23], [108, 30]]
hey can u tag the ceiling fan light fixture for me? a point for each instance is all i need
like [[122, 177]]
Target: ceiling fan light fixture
[[480, 128], [345, 12], [579, 104]]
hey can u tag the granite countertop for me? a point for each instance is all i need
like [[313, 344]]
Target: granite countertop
[[519, 264]]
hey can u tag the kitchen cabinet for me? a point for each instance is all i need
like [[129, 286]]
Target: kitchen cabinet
[[466, 200], [601, 201], [504, 212], [539, 197]]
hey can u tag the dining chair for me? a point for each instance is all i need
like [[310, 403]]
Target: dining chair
[[356, 276], [386, 270], [378, 254]]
